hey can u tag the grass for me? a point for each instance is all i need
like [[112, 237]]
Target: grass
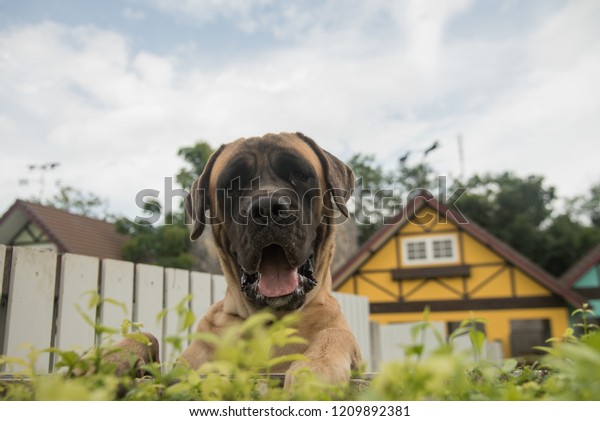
[[569, 369]]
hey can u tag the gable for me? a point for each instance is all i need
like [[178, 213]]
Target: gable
[[31, 235], [412, 262], [590, 279]]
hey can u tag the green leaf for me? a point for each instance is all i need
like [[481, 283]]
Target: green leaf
[[509, 365], [188, 321], [161, 314], [477, 339], [290, 358]]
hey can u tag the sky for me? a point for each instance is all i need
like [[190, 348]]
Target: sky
[[111, 90]]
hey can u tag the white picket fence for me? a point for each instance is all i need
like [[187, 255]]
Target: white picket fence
[[45, 304], [391, 340], [45, 301]]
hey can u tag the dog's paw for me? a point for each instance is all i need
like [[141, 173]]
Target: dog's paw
[[133, 352], [126, 357]]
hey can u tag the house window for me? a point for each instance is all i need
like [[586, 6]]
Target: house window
[[434, 249], [442, 249], [417, 250]]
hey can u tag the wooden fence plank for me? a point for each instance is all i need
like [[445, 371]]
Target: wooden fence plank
[[2, 302], [396, 336], [149, 294], [2, 254], [30, 304], [117, 285], [78, 278], [176, 289], [201, 289]]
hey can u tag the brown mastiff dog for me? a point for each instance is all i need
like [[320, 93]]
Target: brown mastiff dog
[[272, 202]]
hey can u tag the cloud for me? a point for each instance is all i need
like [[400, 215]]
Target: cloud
[[383, 78], [79, 96], [546, 121], [203, 11], [133, 14]]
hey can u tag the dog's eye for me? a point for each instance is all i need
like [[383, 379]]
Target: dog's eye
[[293, 169], [236, 176], [296, 175]]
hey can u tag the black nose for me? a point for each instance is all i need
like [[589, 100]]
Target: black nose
[[271, 209]]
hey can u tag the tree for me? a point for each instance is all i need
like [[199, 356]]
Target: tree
[[521, 212], [164, 245], [371, 181], [512, 208], [76, 201], [587, 208], [380, 194], [592, 205], [169, 244], [196, 158], [565, 242], [410, 179]]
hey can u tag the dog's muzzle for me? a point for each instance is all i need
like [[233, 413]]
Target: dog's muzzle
[[277, 284]]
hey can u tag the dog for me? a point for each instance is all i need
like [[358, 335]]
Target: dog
[[272, 203]]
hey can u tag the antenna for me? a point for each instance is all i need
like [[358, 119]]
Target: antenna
[[43, 169]]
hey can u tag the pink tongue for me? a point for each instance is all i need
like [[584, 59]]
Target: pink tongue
[[276, 277]]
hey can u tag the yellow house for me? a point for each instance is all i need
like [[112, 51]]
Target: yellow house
[[431, 255]]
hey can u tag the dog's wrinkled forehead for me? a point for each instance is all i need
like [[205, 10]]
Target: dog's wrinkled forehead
[[293, 159], [254, 157]]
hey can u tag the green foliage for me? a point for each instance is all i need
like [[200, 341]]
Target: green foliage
[[587, 207], [586, 314], [565, 241], [196, 158], [166, 245], [245, 358], [568, 371], [418, 331], [477, 337], [78, 202], [521, 212], [382, 193], [510, 207]]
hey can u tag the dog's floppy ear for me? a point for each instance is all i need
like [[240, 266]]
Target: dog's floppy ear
[[338, 176], [198, 200]]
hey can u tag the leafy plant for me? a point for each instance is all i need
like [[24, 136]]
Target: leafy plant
[[585, 324], [245, 362], [477, 337]]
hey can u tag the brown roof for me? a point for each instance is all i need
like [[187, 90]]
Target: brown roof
[[575, 272], [500, 247], [71, 233]]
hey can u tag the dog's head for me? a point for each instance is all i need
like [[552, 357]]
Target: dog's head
[[271, 202]]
